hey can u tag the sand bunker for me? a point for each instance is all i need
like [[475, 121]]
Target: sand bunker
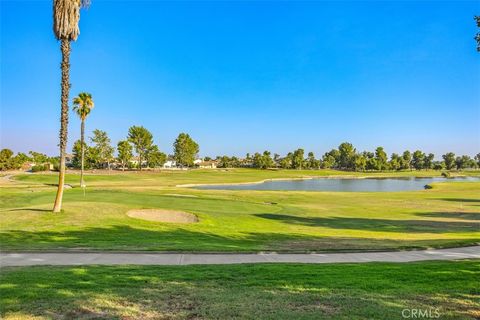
[[160, 215]]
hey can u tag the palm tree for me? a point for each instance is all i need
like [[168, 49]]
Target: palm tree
[[66, 15], [82, 105]]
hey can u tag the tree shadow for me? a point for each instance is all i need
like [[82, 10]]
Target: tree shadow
[[382, 225], [281, 291], [27, 209], [459, 200], [127, 238], [452, 215]]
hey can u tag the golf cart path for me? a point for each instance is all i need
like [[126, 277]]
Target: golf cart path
[[109, 258]]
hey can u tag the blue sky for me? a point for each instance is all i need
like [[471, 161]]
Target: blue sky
[[248, 76]]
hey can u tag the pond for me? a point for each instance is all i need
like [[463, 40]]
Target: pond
[[340, 184]]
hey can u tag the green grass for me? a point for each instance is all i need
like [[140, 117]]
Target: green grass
[[447, 215], [282, 291]]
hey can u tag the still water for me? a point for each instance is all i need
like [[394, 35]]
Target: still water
[[347, 185]]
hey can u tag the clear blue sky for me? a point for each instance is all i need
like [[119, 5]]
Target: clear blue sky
[[248, 76]]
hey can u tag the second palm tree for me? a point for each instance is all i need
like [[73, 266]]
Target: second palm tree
[[82, 105]]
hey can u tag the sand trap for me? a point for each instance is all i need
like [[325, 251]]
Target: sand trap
[[160, 215]]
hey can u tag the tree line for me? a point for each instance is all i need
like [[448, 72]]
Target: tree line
[[345, 157]]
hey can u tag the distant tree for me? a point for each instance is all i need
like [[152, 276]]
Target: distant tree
[[477, 36], [449, 159], [329, 159], [298, 158], [142, 141], [477, 158], [438, 165], [312, 163], [82, 105], [207, 159], [286, 162], [418, 159], [101, 142], [465, 162], [10, 162], [346, 156], [371, 162], [428, 162], [125, 153], [406, 160], [77, 155], [154, 157], [360, 162], [185, 150], [262, 161], [381, 159], [395, 162], [5, 158], [38, 158]]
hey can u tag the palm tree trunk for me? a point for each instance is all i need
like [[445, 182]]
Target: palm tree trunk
[[82, 141], [65, 66]]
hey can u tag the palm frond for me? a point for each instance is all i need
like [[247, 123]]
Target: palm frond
[[66, 15]]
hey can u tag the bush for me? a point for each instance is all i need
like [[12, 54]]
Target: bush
[[40, 167]]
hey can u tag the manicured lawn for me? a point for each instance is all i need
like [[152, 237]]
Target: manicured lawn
[[447, 215], [283, 291]]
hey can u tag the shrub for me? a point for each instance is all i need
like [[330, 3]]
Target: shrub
[[40, 167]]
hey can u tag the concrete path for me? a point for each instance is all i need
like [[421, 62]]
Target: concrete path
[[71, 259]]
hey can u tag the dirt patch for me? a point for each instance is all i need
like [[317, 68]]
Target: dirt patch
[[161, 215]]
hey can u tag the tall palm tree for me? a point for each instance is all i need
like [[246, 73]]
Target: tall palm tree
[[82, 105], [66, 15]]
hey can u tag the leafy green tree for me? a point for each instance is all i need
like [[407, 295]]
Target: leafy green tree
[[381, 159], [418, 159], [298, 158], [286, 162], [312, 163], [477, 158], [329, 159], [185, 150], [262, 161], [360, 162], [346, 156], [77, 155], [82, 105], [428, 162], [142, 141], [38, 158], [395, 162], [66, 15], [154, 157], [5, 159], [406, 160], [449, 159], [101, 142], [125, 153], [465, 162]]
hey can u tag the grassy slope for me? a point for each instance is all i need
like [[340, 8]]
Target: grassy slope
[[447, 215], [342, 291]]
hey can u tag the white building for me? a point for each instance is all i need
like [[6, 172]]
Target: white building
[[170, 164]]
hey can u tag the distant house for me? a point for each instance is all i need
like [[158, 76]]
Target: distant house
[[196, 162], [207, 164], [170, 164]]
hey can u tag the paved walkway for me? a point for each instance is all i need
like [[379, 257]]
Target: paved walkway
[[70, 259]]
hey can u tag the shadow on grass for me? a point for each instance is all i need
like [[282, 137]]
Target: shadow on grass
[[127, 238], [460, 200], [452, 215], [381, 225], [275, 291]]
